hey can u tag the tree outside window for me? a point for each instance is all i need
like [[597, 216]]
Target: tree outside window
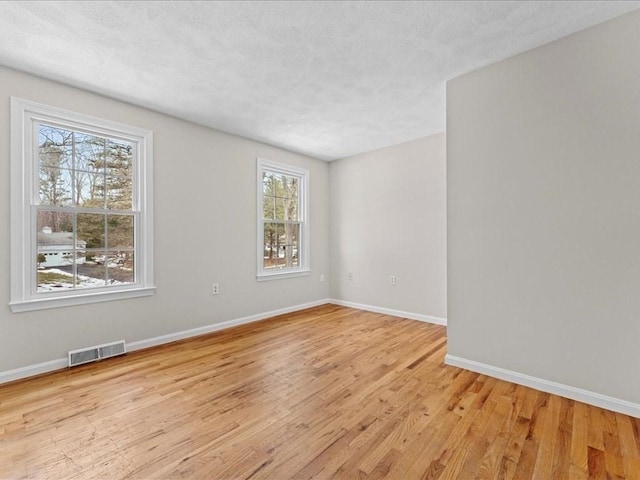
[[283, 224]]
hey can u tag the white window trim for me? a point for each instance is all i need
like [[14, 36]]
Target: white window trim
[[23, 114], [303, 174]]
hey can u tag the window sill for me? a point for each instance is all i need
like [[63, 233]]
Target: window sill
[[81, 299], [264, 277]]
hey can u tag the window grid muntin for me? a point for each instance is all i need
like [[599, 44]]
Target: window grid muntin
[[101, 172], [301, 177], [37, 206], [105, 248], [275, 177], [295, 242]]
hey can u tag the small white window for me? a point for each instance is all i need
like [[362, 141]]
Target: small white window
[[283, 223], [81, 213]]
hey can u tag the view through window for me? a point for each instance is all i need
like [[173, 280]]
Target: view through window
[[85, 217], [283, 225]]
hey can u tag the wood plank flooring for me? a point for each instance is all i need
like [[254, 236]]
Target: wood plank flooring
[[329, 392]]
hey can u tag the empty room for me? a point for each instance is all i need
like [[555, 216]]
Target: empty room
[[319, 239]]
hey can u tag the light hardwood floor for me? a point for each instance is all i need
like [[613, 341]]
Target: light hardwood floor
[[329, 392]]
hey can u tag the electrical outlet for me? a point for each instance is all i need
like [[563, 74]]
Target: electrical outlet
[[215, 289], [392, 280], [350, 276]]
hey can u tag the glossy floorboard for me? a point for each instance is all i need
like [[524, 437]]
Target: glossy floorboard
[[329, 392]]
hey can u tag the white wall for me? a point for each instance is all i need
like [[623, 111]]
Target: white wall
[[388, 217], [205, 232], [544, 212]]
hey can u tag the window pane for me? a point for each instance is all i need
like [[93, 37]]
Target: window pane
[[268, 208], [91, 274], [282, 245], [271, 183], [273, 252], [267, 178], [91, 229], [89, 151], [289, 185], [55, 147], [120, 231], [120, 267], [119, 160], [99, 192], [293, 187], [89, 189], [291, 212], [291, 235], [119, 193], [95, 257], [53, 227], [55, 186], [53, 278], [279, 208], [291, 209], [55, 251], [269, 244]]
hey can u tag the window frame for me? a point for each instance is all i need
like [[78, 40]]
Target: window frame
[[25, 115], [303, 269]]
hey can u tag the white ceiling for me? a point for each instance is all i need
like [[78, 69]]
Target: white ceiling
[[328, 79]]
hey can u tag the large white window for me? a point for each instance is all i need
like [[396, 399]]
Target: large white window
[[283, 223], [81, 213]]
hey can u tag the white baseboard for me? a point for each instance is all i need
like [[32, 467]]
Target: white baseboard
[[389, 311], [194, 332], [585, 396], [50, 366], [591, 398], [32, 370]]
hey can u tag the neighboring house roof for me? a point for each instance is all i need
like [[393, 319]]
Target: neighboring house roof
[[58, 238]]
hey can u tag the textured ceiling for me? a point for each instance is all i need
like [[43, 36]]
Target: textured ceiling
[[328, 79]]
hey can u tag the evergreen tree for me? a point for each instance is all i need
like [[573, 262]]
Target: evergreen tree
[[280, 204]]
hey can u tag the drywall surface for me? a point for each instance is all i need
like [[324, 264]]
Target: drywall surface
[[388, 217], [543, 174], [205, 232]]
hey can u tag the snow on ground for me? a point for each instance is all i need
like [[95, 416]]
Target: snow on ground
[[83, 282]]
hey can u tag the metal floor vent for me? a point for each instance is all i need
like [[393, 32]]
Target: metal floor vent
[[92, 354]]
